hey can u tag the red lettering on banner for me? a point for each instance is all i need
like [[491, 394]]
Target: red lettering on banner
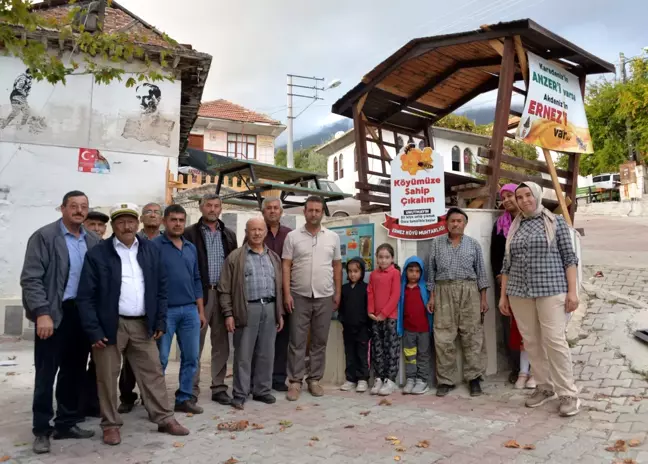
[[396, 230], [532, 107]]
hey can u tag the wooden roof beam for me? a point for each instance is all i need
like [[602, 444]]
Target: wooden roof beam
[[438, 79]]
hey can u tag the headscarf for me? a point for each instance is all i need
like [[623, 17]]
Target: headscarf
[[547, 216], [505, 220]]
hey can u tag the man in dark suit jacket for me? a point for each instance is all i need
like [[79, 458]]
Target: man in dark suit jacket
[[49, 281], [214, 242], [123, 306]]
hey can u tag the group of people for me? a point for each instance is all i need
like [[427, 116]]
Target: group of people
[[106, 311]]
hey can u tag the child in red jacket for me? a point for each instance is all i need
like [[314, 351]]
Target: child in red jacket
[[383, 295]]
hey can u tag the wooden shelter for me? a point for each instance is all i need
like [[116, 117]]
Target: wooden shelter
[[431, 77]]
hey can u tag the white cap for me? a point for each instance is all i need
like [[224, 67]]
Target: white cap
[[124, 208]]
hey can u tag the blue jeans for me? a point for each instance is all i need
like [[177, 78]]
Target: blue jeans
[[182, 321]]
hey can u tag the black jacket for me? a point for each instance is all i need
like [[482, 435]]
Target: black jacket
[[498, 247], [194, 234], [100, 288], [353, 302]]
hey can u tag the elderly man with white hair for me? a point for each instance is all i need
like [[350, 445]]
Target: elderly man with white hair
[[250, 299]]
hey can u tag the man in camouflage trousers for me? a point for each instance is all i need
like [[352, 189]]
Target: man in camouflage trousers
[[457, 283]]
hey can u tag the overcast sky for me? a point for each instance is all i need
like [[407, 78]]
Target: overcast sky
[[255, 43]]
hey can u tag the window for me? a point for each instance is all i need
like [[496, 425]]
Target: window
[[341, 166], [456, 159], [421, 145], [335, 168], [468, 161], [241, 146], [399, 144]]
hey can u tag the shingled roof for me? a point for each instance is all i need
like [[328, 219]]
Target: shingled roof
[[223, 109], [187, 65]]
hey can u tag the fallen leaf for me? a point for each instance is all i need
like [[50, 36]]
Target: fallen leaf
[[396, 442], [4, 458], [629, 461], [365, 413], [400, 449], [618, 447], [349, 426], [385, 402], [257, 426], [423, 444], [285, 423], [23, 443], [314, 438], [634, 443], [397, 458], [529, 447], [512, 444], [231, 460], [10, 373], [190, 414], [233, 426], [177, 444], [391, 438]]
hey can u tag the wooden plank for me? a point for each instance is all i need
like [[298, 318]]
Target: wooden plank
[[373, 198], [360, 136], [497, 46], [556, 185], [519, 91], [534, 165], [383, 150], [522, 59], [473, 193], [502, 108], [379, 174], [515, 176], [373, 187]]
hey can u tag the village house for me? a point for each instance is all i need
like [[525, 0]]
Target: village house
[[228, 129], [111, 141]]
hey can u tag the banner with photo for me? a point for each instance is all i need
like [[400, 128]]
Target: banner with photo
[[554, 114]]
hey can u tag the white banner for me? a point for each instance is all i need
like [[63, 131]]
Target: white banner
[[554, 113]]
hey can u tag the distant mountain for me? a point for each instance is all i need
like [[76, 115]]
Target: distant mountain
[[485, 115], [325, 134]]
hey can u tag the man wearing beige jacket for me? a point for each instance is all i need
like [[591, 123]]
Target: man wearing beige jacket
[[250, 298]]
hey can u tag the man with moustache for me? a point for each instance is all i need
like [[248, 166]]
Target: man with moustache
[[151, 221], [250, 298], [214, 242], [96, 222], [123, 307], [50, 282], [186, 314], [457, 282]]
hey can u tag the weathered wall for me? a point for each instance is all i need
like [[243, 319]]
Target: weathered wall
[[43, 128]]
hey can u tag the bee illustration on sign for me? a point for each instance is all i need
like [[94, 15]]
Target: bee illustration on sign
[[415, 160], [151, 125]]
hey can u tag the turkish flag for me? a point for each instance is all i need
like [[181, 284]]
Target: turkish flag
[[87, 159]]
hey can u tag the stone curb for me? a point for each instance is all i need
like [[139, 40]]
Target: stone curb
[[602, 294]]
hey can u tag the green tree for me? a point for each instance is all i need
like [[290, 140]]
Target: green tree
[[456, 122], [305, 159], [22, 29]]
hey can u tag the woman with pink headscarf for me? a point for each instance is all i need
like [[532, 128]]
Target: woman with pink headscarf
[[498, 248]]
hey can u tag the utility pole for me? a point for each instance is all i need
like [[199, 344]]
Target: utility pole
[[289, 145], [314, 96], [622, 64]]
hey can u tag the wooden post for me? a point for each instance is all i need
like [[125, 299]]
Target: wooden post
[[573, 166], [502, 108], [556, 185], [361, 146]]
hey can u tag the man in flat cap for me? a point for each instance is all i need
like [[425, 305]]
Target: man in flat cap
[[123, 308], [96, 222]]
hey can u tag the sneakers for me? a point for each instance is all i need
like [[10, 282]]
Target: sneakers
[[521, 382], [531, 383], [387, 388], [420, 387], [539, 397], [362, 387], [376, 386], [409, 386], [569, 406], [475, 388], [315, 388], [41, 444], [294, 390], [189, 407], [347, 386]]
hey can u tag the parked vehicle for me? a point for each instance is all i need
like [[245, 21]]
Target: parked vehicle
[[607, 181], [340, 208]]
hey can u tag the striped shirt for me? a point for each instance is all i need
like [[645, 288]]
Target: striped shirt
[[464, 262], [534, 268]]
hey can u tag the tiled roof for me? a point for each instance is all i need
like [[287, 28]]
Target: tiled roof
[[223, 109], [116, 19]]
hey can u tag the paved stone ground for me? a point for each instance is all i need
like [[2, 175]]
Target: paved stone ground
[[351, 428], [631, 282]]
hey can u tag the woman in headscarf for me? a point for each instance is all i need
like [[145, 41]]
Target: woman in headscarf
[[539, 285], [498, 246]]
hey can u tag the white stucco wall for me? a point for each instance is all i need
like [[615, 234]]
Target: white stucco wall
[[39, 160], [215, 141]]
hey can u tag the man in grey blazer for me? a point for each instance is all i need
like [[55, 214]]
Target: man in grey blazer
[[49, 281]]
